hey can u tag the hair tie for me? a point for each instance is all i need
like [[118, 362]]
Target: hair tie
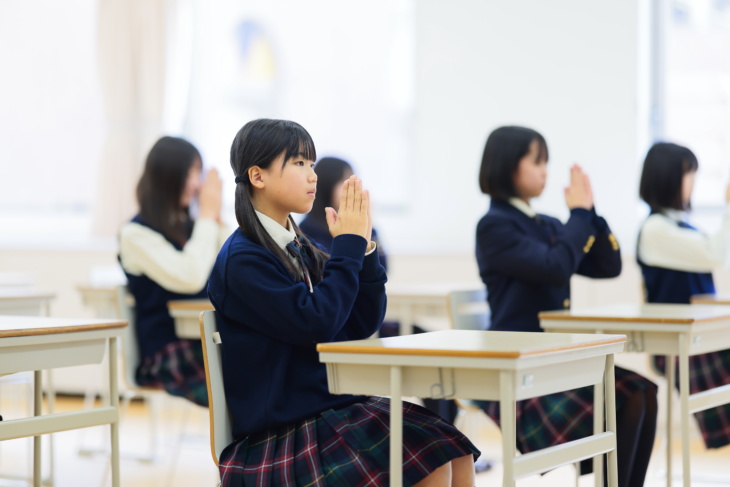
[[240, 179]]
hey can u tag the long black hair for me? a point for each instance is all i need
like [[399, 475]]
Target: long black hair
[[661, 178], [502, 153], [259, 143], [161, 186], [330, 172]]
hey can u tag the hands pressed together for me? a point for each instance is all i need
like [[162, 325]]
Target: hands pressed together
[[210, 196], [579, 193], [354, 214]]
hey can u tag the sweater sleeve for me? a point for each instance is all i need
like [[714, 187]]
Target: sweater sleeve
[[368, 310], [604, 256], [663, 243], [145, 251], [505, 249], [258, 290]]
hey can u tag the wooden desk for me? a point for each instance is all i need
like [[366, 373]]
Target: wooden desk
[[103, 300], [25, 301], [187, 316], [34, 344], [406, 302], [503, 366], [710, 299], [661, 329]]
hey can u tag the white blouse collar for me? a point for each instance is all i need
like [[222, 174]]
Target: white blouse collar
[[523, 207], [282, 236]]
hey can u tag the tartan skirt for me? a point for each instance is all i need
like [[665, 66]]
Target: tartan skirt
[[347, 447], [707, 371], [178, 368], [564, 416]]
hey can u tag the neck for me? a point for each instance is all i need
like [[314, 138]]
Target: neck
[[276, 214]]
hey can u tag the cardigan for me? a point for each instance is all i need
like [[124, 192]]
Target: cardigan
[[527, 262], [270, 325], [159, 270], [663, 236]]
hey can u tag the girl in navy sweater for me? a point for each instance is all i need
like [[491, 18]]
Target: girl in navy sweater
[[526, 261], [677, 262], [277, 294]]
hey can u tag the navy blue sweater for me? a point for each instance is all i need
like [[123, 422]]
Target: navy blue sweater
[[154, 326], [270, 325], [527, 262], [664, 285]]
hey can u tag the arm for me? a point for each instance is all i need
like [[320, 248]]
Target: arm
[[368, 311], [604, 257], [504, 248], [145, 251], [255, 288], [662, 243]]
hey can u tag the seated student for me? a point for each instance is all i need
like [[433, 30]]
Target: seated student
[[166, 256], [332, 173], [526, 261], [677, 262], [276, 295]]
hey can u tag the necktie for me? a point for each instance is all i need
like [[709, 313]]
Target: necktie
[[299, 252]]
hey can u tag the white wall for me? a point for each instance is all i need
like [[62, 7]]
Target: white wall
[[568, 68]]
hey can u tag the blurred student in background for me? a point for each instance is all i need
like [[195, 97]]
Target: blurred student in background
[[167, 255]]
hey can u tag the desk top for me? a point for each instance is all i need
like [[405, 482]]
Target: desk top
[[428, 290], [643, 313], [190, 304], [710, 299], [15, 293], [21, 326], [475, 344]]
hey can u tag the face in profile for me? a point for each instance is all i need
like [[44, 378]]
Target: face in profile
[[531, 174]]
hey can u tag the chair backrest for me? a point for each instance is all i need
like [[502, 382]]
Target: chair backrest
[[220, 420], [469, 310], [130, 347]]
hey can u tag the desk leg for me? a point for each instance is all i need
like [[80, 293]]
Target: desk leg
[[599, 424], [669, 374], [610, 384], [37, 411], [114, 402], [507, 413], [396, 427], [684, 404]]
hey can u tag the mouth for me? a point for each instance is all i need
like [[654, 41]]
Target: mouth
[[312, 193]]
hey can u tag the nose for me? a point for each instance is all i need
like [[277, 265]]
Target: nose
[[312, 175]]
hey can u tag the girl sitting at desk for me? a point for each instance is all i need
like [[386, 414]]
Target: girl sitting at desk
[[168, 256], [526, 261], [677, 261]]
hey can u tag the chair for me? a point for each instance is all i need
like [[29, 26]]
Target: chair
[[220, 420]]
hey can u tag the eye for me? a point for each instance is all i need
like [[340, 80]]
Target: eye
[[299, 163]]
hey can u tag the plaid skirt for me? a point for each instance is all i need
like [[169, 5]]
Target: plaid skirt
[[179, 369], [347, 447], [707, 371], [564, 416]]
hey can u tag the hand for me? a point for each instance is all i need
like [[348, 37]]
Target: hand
[[579, 194], [210, 196], [727, 194], [354, 215]]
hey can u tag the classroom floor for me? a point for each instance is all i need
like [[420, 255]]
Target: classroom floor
[[185, 460]]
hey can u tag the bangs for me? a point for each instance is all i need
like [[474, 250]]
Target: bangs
[[300, 145], [543, 151]]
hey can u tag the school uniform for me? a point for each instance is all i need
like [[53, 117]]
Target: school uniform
[[526, 261], [676, 262], [159, 270], [289, 429]]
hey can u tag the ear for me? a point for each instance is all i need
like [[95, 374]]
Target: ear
[[256, 176]]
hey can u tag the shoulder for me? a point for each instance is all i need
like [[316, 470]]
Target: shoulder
[[132, 231], [657, 224]]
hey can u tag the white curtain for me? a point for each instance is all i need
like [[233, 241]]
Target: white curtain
[[132, 47]]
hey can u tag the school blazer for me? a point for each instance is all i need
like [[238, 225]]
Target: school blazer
[[526, 263]]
